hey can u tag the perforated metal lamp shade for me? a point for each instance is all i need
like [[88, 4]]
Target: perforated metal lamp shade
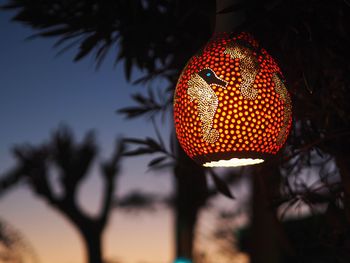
[[231, 106]]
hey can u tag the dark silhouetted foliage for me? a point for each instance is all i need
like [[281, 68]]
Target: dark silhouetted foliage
[[72, 161], [13, 246]]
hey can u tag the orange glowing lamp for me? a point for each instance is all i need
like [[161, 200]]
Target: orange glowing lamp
[[231, 106]]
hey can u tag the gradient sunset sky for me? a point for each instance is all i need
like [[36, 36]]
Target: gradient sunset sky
[[39, 92]]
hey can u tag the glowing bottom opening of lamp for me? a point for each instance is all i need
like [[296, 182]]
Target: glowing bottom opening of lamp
[[234, 162]]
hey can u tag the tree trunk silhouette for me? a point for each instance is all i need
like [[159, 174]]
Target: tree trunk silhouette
[[93, 245], [90, 229], [265, 239], [186, 219], [343, 164], [191, 195]]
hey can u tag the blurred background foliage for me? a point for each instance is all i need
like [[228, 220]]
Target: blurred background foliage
[[13, 245]]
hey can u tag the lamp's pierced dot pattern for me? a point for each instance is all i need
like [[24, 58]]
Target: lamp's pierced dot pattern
[[281, 89], [249, 68], [230, 102]]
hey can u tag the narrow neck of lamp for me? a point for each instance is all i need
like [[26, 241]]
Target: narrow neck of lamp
[[229, 21]]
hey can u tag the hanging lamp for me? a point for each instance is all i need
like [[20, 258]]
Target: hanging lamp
[[231, 105]]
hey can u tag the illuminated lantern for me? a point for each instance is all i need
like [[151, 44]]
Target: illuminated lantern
[[231, 106]]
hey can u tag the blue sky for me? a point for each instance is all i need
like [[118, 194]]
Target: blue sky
[[40, 91]]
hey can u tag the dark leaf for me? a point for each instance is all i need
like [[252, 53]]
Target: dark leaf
[[139, 151], [87, 45], [67, 37], [154, 144], [51, 33], [128, 68], [156, 161], [132, 112], [164, 165], [146, 105], [141, 99], [134, 140], [221, 186], [66, 47], [144, 79], [101, 54], [137, 200]]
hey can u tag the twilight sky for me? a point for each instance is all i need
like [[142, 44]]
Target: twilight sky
[[38, 93]]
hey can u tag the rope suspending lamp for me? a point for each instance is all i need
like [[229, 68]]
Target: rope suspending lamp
[[231, 105]]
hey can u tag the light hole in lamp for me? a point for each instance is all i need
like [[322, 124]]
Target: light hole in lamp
[[234, 162]]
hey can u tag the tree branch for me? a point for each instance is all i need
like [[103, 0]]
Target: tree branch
[[110, 170], [10, 179]]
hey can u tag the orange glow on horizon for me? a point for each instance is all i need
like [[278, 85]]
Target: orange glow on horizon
[[55, 240]]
